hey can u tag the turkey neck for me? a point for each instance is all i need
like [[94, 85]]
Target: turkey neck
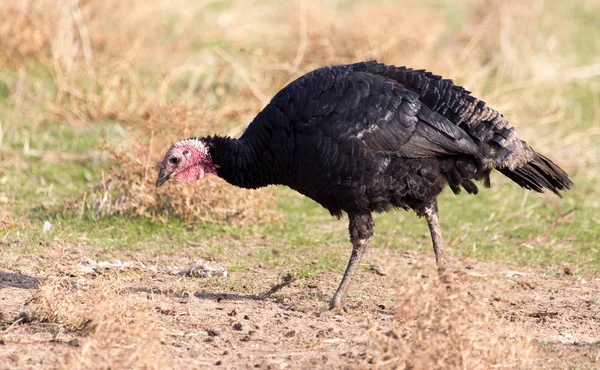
[[243, 162]]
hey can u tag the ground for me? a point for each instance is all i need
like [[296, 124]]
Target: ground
[[548, 316]]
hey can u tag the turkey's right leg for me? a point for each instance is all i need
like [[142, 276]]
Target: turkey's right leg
[[361, 229]]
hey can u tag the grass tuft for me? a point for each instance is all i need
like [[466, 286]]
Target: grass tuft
[[451, 329], [111, 329]]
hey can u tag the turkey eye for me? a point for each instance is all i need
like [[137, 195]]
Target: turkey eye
[[174, 160], [186, 152]]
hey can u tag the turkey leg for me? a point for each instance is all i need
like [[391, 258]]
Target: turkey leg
[[361, 229], [433, 220]]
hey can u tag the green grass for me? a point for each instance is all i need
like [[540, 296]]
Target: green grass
[[49, 163]]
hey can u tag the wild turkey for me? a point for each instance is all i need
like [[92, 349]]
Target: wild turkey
[[365, 138]]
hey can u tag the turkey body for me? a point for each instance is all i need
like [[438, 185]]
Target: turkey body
[[368, 137]]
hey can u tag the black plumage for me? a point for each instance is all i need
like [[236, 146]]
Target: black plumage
[[368, 137]]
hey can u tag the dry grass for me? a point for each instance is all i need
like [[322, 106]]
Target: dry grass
[[25, 33], [114, 331], [6, 219], [451, 329], [129, 189]]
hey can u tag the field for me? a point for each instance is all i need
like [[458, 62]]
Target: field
[[93, 92]]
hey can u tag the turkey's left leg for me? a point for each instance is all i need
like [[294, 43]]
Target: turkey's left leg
[[361, 229], [433, 221]]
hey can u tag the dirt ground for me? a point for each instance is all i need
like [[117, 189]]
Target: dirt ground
[[77, 318]]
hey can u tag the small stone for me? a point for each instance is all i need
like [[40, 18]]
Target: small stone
[[392, 334], [219, 363], [25, 317], [167, 311], [237, 326], [290, 334], [568, 271], [46, 227], [378, 270], [212, 333], [246, 317], [527, 284]]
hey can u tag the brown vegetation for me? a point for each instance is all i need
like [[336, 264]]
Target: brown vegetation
[[6, 219], [113, 329], [452, 329]]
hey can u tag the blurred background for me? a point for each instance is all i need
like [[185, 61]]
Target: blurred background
[[93, 91]]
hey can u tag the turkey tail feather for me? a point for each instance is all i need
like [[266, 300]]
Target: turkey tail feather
[[538, 174]]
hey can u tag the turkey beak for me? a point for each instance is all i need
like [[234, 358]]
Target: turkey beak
[[163, 176]]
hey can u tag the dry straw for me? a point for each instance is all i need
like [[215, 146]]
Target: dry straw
[[114, 330], [449, 329], [6, 219]]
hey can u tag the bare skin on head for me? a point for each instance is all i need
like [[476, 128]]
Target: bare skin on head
[[187, 160]]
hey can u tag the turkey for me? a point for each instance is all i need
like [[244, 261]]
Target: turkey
[[368, 137]]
